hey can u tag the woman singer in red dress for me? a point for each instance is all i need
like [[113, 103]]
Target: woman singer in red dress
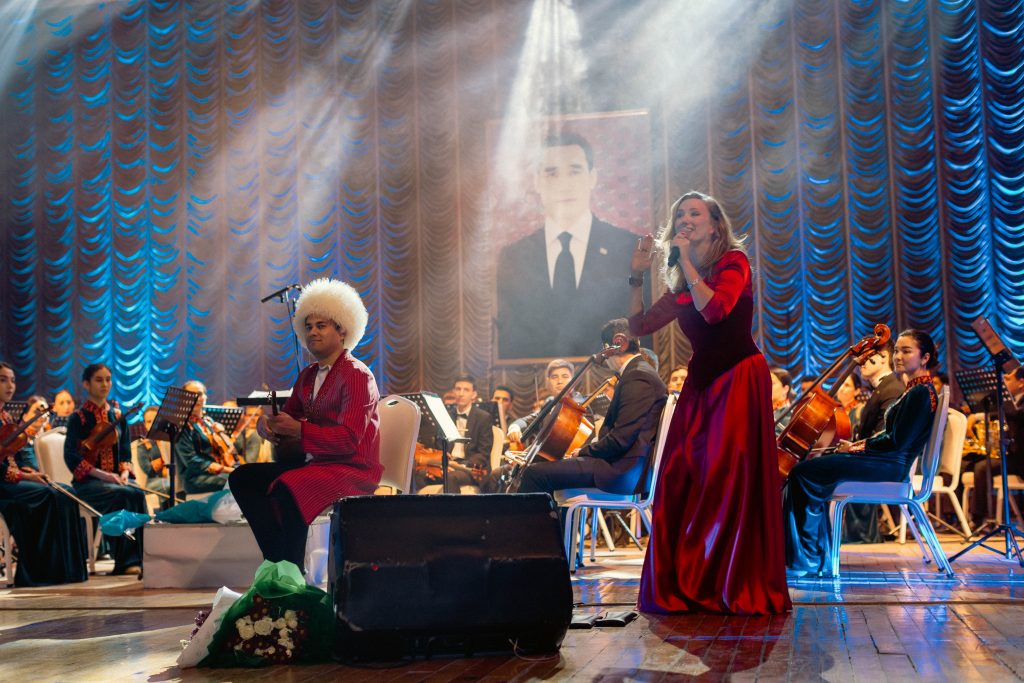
[[717, 541]]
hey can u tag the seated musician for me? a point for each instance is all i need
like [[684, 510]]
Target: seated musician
[[247, 440], [46, 525], [329, 424], [1013, 411], [557, 374], [470, 461], [102, 474], [63, 403], [886, 456], [677, 378], [202, 465], [617, 461], [782, 397], [151, 459], [860, 524]]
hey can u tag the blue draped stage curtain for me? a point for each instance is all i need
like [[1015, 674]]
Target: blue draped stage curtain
[[166, 163]]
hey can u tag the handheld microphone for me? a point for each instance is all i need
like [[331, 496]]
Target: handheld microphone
[[673, 257]]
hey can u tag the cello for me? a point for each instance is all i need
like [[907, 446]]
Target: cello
[[818, 419], [568, 429]]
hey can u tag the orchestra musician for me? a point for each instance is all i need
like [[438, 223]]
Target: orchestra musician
[[617, 461], [45, 524], [151, 459], [717, 532], [101, 474], [885, 456], [557, 373], [860, 523], [330, 421], [1013, 411], [203, 467], [677, 378], [472, 460], [247, 441], [63, 403]]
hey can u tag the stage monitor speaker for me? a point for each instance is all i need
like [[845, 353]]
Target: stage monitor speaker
[[448, 574]]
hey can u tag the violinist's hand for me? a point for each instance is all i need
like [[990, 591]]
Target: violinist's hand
[[103, 475], [574, 453], [125, 476], [284, 426], [37, 477], [850, 446], [515, 433], [643, 255]]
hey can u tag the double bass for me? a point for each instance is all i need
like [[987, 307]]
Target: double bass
[[818, 419]]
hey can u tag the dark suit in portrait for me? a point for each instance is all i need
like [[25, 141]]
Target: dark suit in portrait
[[534, 322]]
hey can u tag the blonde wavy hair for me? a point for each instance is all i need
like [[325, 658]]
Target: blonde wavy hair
[[722, 240]]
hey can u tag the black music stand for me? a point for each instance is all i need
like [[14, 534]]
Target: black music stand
[[1002, 361], [171, 416], [262, 398], [436, 423], [16, 409], [979, 387], [227, 416]]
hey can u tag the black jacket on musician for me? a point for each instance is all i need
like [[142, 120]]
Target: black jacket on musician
[[872, 416], [479, 429]]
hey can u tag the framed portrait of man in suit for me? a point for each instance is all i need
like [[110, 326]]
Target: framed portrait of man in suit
[[571, 197]]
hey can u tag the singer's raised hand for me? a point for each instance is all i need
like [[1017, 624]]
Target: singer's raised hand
[[643, 255]]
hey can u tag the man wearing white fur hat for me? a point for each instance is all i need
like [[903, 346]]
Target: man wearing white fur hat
[[331, 417]]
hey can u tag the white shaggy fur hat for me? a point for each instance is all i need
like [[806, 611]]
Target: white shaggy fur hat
[[334, 300]]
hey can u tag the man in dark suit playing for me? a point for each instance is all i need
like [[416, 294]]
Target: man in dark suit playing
[[472, 460], [619, 459], [886, 389], [860, 524], [564, 280]]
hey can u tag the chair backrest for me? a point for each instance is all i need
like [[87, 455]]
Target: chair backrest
[[931, 455], [140, 474], [50, 454], [497, 446], [399, 427], [660, 441], [953, 445]]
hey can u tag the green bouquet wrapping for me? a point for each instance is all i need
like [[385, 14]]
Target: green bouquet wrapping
[[279, 620]]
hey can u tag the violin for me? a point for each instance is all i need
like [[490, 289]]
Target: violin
[[224, 450], [429, 459], [104, 435], [15, 436], [818, 418]]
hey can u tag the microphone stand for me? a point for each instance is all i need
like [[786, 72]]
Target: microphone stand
[[284, 295]]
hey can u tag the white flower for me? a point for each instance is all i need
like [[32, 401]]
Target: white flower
[[279, 622], [290, 614], [245, 630], [264, 626]]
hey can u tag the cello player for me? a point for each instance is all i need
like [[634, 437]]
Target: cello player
[[617, 461]]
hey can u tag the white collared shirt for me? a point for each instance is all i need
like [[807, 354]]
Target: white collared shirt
[[321, 375], [580, 231]]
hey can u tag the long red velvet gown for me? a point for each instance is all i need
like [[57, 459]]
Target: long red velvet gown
[[717, 542]]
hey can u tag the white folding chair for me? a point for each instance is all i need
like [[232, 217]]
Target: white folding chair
[[579, 501], [952, 455], [903, 493], [399, 426]]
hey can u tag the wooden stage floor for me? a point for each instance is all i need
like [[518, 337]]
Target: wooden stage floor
[[890, 618]]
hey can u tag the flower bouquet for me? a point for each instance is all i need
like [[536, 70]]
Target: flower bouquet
[[279, 620]]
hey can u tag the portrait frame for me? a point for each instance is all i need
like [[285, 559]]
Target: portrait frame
[[621, 199]]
